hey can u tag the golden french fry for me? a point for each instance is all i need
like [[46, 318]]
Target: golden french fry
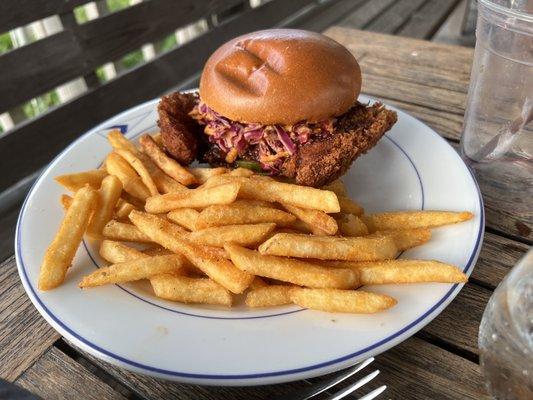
[[234, 214], [335, 300], [66, 201], [137, 203], [135, 270], [193, 198], [291, 270], [203, 174], [269, 296], [408, 271], [337, 187], [348, 206], [218, 269], [251, 202], [170, 166], [244, 235], [131, 182], [185, 217], [190, 290], [330, 248], [414, 219], [298, 226], [165, 184], [76, 181], [60, 253], [271, 190], [123, 209], [158, 139], [116, 252], [351, 225], [157, 251], [317, 221], [126, 232], [406, 238], [108, 196], [141, 170], [119, 142], [258, 283], [241, 172]]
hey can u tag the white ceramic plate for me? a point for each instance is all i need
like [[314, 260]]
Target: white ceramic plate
[[412, 168]]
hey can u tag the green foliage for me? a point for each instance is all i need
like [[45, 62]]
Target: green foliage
[[81, 15], [40, 104], [115, 5], [132, 59], [5, 43]]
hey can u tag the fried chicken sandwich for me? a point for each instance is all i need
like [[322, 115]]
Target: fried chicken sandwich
[[283, 101]]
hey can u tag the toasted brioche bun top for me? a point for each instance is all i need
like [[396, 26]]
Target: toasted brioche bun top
[[280, 76]]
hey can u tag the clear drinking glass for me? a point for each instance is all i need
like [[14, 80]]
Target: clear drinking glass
[[506, 335], [497, 139]]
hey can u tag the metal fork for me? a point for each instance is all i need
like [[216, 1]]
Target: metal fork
[[315, 390]]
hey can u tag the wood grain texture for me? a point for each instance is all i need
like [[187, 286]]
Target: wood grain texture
[[24, 334], [365, 14], [15, 13], [55, 376], [424, 22], [394, 17], [413, 370], [8, 223], [324, 15]]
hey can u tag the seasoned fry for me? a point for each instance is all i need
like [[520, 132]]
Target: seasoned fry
[[241, 172], [60, 253], [190, 290], [157, 251], [186, 217], [76, 181], [116, 252], [258, 283], [194, 198], [66, 201], [141, 170], [121, 231], [337, 187], [170, 166], [135, 270], [406, 238], [219, 269], [250, 202], [203, 174], [119, 142], [330, 248], [165, 184], [414, 219], [299, 226], [271, 190], [348, 206], [290, 270], [131, 182], [123, 209], [409, 271], [351, 225], [108, 196], [348, 301], [269, 296], [318, 222], [244, 235], [234, 214], [158, 139]]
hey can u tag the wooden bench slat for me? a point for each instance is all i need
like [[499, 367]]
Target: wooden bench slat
[[427, 20], [365, 14], [57, 376], [24, 334], [394, 17], [323, 16], [38, 67], [15, 13], [34, 143]]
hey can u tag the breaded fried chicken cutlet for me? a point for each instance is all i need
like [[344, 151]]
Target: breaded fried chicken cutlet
[[282, 101]]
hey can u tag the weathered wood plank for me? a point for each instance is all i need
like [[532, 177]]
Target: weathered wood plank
[[365, 14], [8, 223], [56, 376], [424, 22], [31, 145], [24, 334], [413, 370], [15, 13], [38, 67], [392, 19], [324, 15]]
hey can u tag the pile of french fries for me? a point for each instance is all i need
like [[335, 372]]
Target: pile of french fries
[[204, 235]]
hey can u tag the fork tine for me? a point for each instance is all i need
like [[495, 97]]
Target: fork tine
[[374, 393], [354, 386], [321, 387]]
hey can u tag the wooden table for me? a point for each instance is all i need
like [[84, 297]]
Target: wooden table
[[428, 81]]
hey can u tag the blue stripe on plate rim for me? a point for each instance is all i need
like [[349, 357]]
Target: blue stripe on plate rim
[[66, 331]]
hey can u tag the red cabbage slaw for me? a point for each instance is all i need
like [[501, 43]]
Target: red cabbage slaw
[[274, 142]]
